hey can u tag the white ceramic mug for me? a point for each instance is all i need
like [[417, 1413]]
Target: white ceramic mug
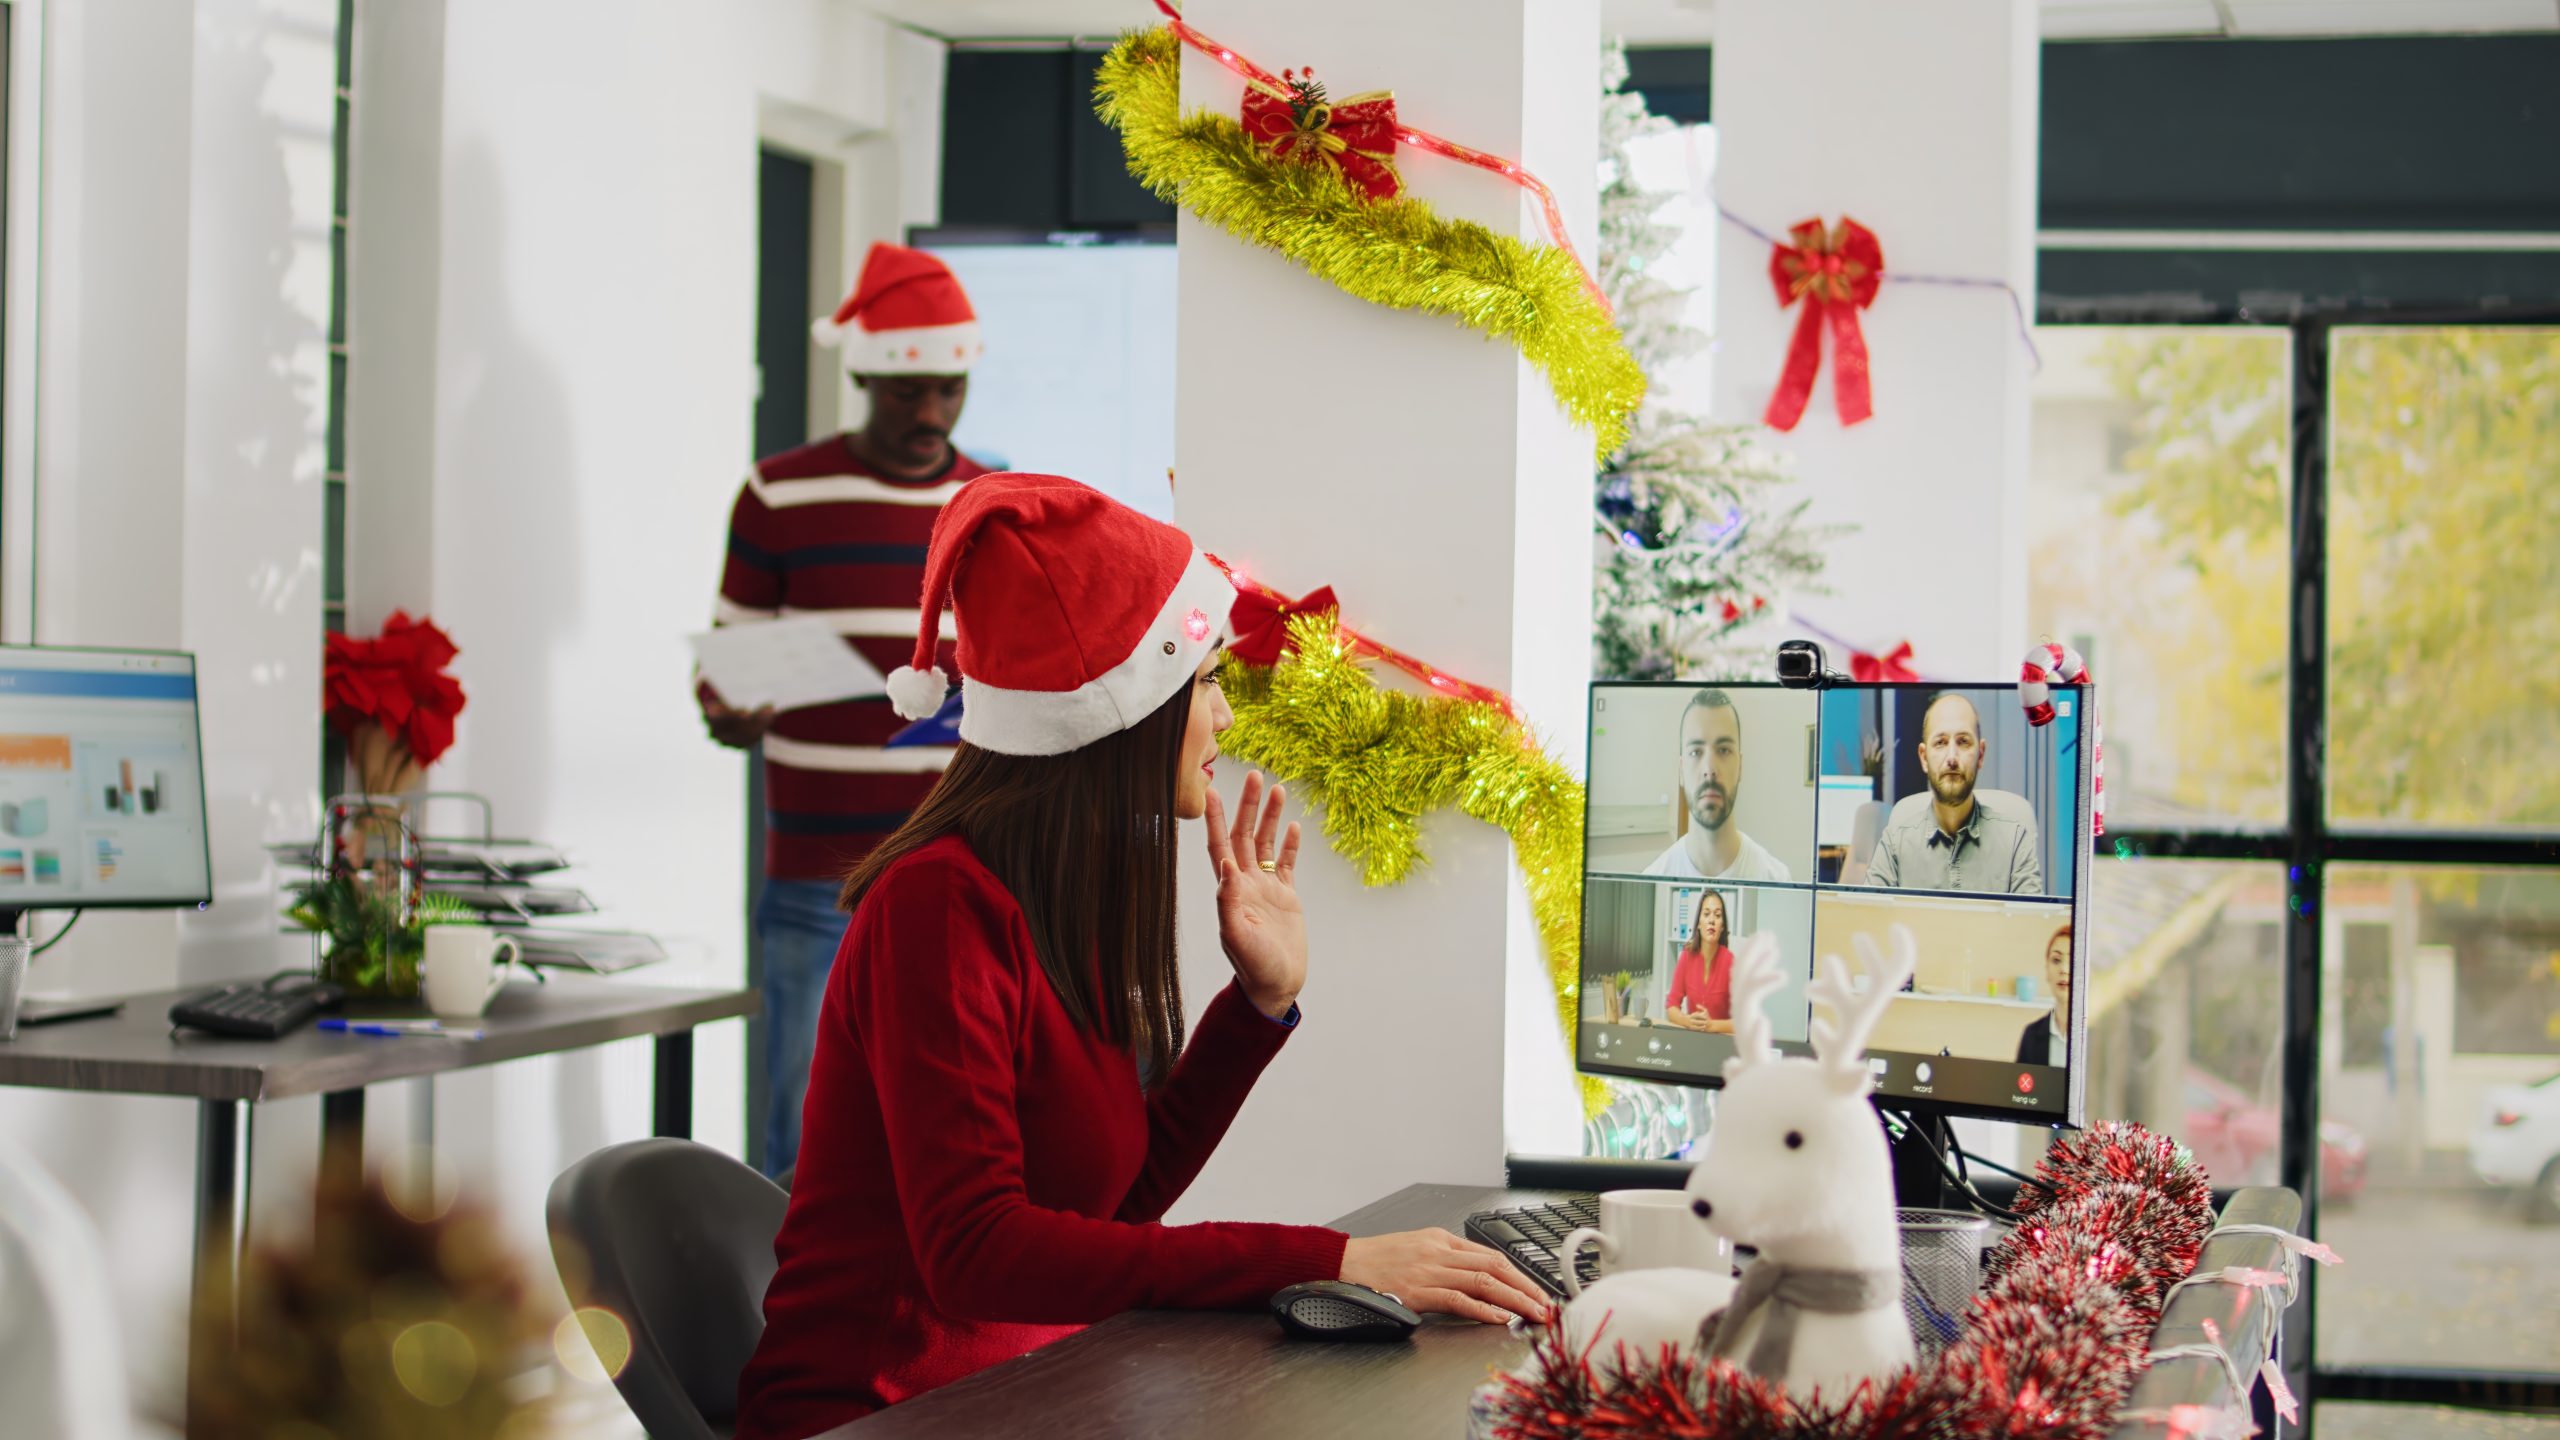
[[1646, 1230], [464, 969]]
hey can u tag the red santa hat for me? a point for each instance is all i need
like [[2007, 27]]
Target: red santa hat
[[1078, 616], [907, 316]]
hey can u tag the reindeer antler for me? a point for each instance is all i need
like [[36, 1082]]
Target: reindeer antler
[[1755, 979], [1840, 1038]]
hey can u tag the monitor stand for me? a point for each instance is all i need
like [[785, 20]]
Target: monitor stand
[[52, 1012], [47, 1012], [1919, 1182]]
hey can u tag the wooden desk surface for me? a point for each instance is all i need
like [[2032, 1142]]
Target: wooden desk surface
[[134, 1053], [1152, 1373]]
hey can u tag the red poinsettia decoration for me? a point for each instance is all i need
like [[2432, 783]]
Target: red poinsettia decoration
[[396, 683]]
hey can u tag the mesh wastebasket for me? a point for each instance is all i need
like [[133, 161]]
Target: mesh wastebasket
[[1941, 1268], [13, 979]]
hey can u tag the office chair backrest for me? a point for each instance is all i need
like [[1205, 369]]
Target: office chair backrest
[[1863, 832], [676, 1239], [61, 1354]]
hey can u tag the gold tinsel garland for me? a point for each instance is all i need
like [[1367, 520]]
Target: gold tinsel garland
[[1396, 253], [1378, 761]]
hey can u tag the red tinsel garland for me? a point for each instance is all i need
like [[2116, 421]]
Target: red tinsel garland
[[2137, 1240], [2116, 1152], [2049, 1348]]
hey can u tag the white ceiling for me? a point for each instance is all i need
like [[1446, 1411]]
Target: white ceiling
[[1659, 22]]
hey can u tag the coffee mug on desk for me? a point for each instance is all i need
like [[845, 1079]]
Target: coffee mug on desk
[[1645, 1230], [464, 968]]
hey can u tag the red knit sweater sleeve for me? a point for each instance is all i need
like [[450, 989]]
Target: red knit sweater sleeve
[[1188, 1114], [751, 572], [937, 1006]]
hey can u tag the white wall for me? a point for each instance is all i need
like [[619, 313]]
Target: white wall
[[554, 262], [256, 424], [1448, 510], [1938, 158], [110, 556], [592, 393], [176, 491]]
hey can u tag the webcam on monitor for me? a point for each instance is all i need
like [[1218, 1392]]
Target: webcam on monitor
[[1800, 667]]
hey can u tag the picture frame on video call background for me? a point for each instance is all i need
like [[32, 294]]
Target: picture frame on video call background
[[1817, 816]]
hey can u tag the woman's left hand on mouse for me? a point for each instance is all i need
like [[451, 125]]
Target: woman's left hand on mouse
[[1260, 923]]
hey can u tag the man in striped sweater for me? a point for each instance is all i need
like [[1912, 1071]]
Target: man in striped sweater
[[837, 528]]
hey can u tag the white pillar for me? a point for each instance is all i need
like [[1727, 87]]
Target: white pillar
[[1428, 476], [1920, 122]]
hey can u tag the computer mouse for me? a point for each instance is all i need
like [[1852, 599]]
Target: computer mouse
[[1340, 1310], [327, 994]]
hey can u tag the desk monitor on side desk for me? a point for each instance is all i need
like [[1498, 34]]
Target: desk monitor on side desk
[[101, 789], [1819, 815]]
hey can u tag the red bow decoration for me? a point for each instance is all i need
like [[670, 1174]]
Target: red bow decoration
[[1892, 666], [1835, 273], [1260, 620], [1358, 135], [1369, 147]]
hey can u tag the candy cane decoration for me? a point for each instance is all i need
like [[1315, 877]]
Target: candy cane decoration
[[2052, 664]]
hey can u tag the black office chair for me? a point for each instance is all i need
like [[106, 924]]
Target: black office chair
[[676, 1239]]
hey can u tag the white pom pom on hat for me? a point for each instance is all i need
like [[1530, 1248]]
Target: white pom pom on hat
[[918, 694], [1077, 616]]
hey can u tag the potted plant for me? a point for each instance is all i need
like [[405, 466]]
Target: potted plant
[[367, 944]]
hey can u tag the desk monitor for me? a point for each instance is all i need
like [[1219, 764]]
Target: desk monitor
[[101, 780], [1820, 815]]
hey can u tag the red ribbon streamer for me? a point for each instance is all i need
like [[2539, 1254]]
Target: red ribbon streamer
[[1835, 272], [1257, 77], [1260, 619], [1891, 667]]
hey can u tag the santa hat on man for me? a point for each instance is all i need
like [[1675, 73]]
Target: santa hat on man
[[907, 316], [1078, 616]]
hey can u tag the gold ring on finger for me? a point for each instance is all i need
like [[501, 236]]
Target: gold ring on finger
[[1270, 867]]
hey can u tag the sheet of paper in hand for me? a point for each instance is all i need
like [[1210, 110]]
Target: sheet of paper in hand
[[787, 664]]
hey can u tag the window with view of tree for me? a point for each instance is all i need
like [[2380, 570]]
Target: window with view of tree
[[2444, 534], [2166, 547]]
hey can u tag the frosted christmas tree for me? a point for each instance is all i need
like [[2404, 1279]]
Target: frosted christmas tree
[[1698, 542]]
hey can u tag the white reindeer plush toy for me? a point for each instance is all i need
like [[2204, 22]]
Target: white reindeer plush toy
[[1796, 1168]]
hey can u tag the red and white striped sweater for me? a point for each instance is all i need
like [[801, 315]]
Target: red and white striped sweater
[[816, 532]]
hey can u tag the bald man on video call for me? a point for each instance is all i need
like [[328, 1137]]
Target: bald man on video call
[[1955, 843]]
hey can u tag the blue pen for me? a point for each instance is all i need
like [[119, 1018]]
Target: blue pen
[[397, 1027]]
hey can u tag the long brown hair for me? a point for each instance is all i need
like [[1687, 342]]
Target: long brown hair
[[1697, 931], [1085, 843]]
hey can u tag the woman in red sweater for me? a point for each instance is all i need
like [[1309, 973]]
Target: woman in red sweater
[[1702, 989], [1002, 1104]]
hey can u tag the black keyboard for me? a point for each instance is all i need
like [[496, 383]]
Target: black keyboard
[[1533, 1236], [248, 1012]]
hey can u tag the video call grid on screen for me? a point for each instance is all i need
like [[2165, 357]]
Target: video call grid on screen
[[1818, 815]]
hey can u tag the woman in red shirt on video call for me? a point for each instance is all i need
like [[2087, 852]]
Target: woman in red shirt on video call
[[1702, 988], [1002, 1106]]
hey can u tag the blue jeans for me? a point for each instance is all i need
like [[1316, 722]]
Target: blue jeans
[[798, 928]]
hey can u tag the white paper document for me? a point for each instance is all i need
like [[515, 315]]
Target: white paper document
[[786, 664]]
